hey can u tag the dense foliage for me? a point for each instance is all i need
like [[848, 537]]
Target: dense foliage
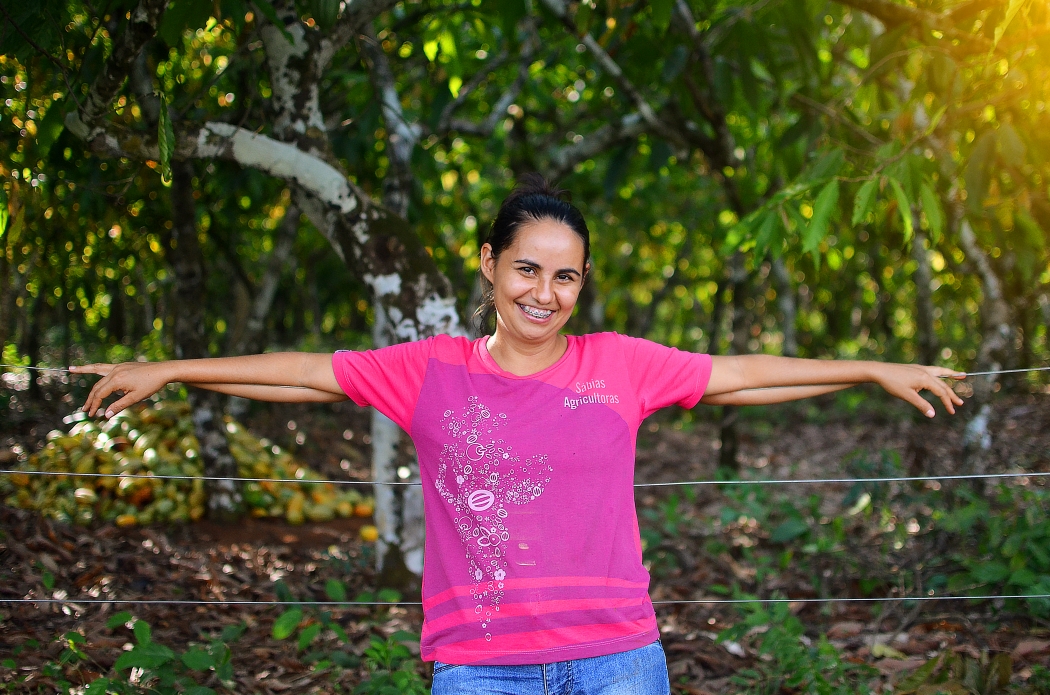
[[839, 151]]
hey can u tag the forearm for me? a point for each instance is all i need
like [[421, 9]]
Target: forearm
[[274, 394], [302, 369], [741, 372], [771, 395]]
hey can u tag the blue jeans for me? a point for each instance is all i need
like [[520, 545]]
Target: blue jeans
[[641, 671]]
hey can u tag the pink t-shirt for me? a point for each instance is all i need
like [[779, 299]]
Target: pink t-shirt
[[532, 547]]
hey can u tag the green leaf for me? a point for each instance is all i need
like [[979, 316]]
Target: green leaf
[[286, 624], [990, 572], [582, 19], [430, 49], [1011, 145], [74, 637], [827, 165], [661, 14], [389, 595], [1024, 578], [904, 207], [198, 659], [8, 663], [266, 7], [99, 686], [325, 12], [165, 140], [335, 590], [977, 170], [149, 656], [510, 13], [863, 201], [339, 632], [817, 228], [932, 207], [118, 619], [198, 690], [48, 580], [143, 634], [3, 211], [308, 635], [1011, 12], [49, 128], [789, 530], [232, 633], [183, 15], [764, 232], [224, 672]]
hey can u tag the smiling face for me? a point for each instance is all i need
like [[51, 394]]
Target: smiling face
[[535, 281]]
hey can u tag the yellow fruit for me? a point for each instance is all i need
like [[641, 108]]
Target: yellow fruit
[[85, 496], [20, 479], [320, 512], [344, 509], [369, 534], [126, 520], [196, 512], [294, 511], [363, 509]]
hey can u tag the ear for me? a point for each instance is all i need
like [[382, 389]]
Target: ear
[[488, 261], [586, 272]]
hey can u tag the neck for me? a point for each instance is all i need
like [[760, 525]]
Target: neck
[[522, 358]]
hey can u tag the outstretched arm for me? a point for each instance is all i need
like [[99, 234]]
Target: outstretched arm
[[762, 379], [279, 376]]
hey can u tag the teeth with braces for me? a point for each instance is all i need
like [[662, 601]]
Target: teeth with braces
[[536, 313]]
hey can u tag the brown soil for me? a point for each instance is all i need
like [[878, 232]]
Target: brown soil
[[209, 561]]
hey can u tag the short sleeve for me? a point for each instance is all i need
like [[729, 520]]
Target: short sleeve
[[664, 376], [388, 378]]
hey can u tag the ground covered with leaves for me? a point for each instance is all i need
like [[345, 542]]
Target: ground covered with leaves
[[703, 543]]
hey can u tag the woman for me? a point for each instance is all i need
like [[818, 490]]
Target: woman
[[533, 579]]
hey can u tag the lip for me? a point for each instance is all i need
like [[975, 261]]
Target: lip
[[535, 319]]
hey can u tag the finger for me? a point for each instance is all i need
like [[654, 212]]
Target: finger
[[919, 402], [106, 387], [101, 369], [92, 401], [122, 403]]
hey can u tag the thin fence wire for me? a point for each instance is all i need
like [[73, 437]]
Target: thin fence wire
[[759, 481], [352, 604]]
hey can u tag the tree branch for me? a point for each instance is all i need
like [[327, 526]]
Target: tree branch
[[564, 159], [559, 8], [892, 14], [142, 26]]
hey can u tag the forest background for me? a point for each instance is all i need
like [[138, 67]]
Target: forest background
[[861, 179]]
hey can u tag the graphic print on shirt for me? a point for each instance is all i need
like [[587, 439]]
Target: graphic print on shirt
[[490, 478]]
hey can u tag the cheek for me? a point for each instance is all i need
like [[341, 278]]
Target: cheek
[[567, 296]]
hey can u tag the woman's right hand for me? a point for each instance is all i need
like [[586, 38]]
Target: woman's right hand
[[135, 381]]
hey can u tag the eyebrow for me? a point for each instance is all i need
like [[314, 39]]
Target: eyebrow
[[536, 265]]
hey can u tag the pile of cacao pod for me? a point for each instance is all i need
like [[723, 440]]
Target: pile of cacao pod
[[156, 441]]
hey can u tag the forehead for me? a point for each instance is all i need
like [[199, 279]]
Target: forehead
[[547, 239]]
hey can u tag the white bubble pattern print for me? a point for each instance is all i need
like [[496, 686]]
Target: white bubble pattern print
[[481, 476]]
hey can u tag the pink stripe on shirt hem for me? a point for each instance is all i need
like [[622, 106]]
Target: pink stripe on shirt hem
[[532, 583], [513, 610]]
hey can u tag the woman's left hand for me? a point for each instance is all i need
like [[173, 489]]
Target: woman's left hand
[[907, 381]]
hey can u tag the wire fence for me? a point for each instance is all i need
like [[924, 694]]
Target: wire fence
[[731, 481], [352, 604], [701, 601]]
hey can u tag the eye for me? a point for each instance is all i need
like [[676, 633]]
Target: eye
[[528, 270]]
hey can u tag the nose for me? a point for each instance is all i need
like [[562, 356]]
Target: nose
[[544, 290]]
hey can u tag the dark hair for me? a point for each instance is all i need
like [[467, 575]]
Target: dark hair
[[533, 199]]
